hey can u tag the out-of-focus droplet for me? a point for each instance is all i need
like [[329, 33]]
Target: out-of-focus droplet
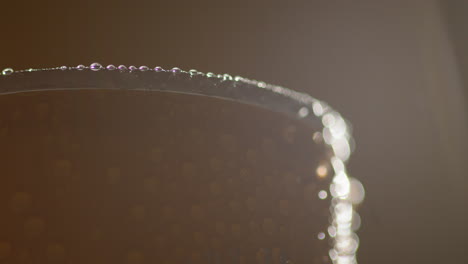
[[317, 137], [95, 66], [317, 108], [64, 68], [321, 236], [80, 67], [143, 68], [303, 112], [323, 194], [132, 68], [322, 171], [331, 231], [329, 119], [210, 75], [356, 192], [261, 84], [356, 222]]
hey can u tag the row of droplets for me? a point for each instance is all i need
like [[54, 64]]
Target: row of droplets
[[123, 68]]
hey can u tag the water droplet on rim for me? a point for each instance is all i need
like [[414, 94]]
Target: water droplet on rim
[[95, 66], [7, 71], [193, 72], [210, 75], [227, 77], [144, 68], [175, 70], [80, 67], [122, 67], [132, 68], [110, 67], [158, 69], [63, 68], [237, 78]]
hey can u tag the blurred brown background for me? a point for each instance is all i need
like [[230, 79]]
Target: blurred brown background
[[396, 69]]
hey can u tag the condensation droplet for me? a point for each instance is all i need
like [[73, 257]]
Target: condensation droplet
[[323, 194], [321, 236], [261, 84], [357, 192], [132, 68], [80, 67], [322, 171], [122, 67], [175, 70], [144, 68], [158, 69], [210, 75], [110, 67], [237, 78], [7, 71], [317, 137], [95, 66], [63, 68], [318, 108], [303, 112], [193, 72]]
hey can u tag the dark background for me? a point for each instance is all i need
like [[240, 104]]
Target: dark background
[[394, 68]]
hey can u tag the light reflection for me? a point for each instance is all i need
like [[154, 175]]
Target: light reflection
[[303, 112], [341, 148], [357, 192], [321, 236], [340, 186], [331, 231], [317, 108], [328, 120], [323, 194], [322, 171]]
